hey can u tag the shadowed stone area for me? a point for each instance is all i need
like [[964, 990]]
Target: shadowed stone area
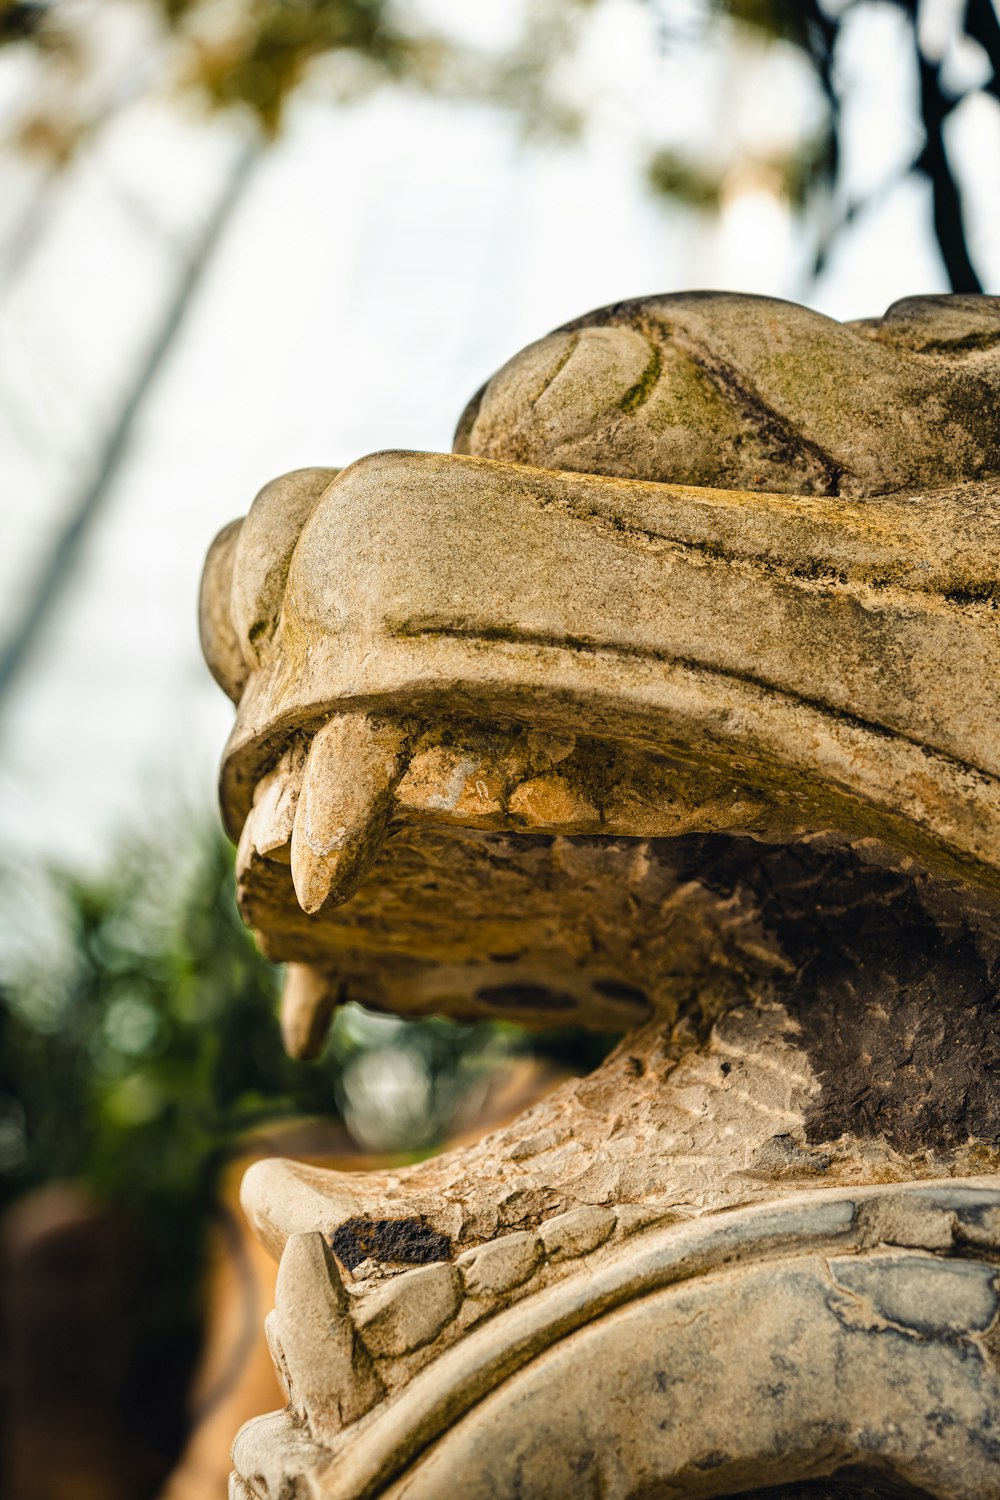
[[892, 983], [844, 1487]]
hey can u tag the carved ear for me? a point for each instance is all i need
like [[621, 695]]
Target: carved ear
[[219, 641]]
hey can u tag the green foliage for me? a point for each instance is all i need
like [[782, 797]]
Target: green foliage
[[264, 54], [138, 1059], [808, 168], [403, 1086], [796, 176], [671, 175], [147, 1055], [134, 1049], [781, 20], [142, 1046], [254, 56]]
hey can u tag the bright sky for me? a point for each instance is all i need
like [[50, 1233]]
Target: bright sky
[[385, 260]]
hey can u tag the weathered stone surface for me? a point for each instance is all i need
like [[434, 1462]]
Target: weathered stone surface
[[307, 1003], [647, 1399], [500, 1265], [730, 1339], [410, 1310], [742, 393], [267, 540], [328, 1371], [553, 801], [398, 1239], [576, 1232], [343, 807], [669, 703], [222, 646]]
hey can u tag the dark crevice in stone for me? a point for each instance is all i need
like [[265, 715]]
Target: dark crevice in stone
[[617, 989], [848, 1484], [526, 997]]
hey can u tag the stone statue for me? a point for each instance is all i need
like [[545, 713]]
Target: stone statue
[[669, 703]]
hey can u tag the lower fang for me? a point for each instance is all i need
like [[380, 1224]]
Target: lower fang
[[307, 1003]]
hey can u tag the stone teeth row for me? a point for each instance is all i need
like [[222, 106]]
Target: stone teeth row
[[324, 809], [327, 1343], [411, 1309]]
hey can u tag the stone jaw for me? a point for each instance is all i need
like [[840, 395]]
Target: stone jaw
[[558, 728], [834, 1291], [673, 1132]]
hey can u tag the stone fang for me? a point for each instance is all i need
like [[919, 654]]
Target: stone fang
[[308, 1001], [328, 1369], [343, 808]]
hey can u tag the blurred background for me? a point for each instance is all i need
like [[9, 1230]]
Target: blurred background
[[243, 236]]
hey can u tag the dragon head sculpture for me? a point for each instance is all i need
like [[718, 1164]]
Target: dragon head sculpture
[[667, 703]]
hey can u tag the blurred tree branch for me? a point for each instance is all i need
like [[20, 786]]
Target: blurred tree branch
[[19, 246], [252, 56], [817, 29], [949, 227], [256, 54]]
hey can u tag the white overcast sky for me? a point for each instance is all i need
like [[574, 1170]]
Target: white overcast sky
[[385, 260]]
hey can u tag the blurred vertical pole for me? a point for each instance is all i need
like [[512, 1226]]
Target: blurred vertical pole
[[58, 564]]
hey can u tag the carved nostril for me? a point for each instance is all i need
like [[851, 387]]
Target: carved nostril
[[219, 640]]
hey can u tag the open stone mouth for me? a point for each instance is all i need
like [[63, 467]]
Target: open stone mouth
[[668, 704]]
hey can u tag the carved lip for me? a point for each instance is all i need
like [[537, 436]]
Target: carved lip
[[842, 1239]]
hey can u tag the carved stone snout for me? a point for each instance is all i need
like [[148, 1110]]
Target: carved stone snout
[[667, 704]]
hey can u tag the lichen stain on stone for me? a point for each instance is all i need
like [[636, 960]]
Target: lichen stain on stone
[[409, 1241]]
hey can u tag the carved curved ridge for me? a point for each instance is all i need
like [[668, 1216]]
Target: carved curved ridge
[[811, 1297], [423, 582]]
